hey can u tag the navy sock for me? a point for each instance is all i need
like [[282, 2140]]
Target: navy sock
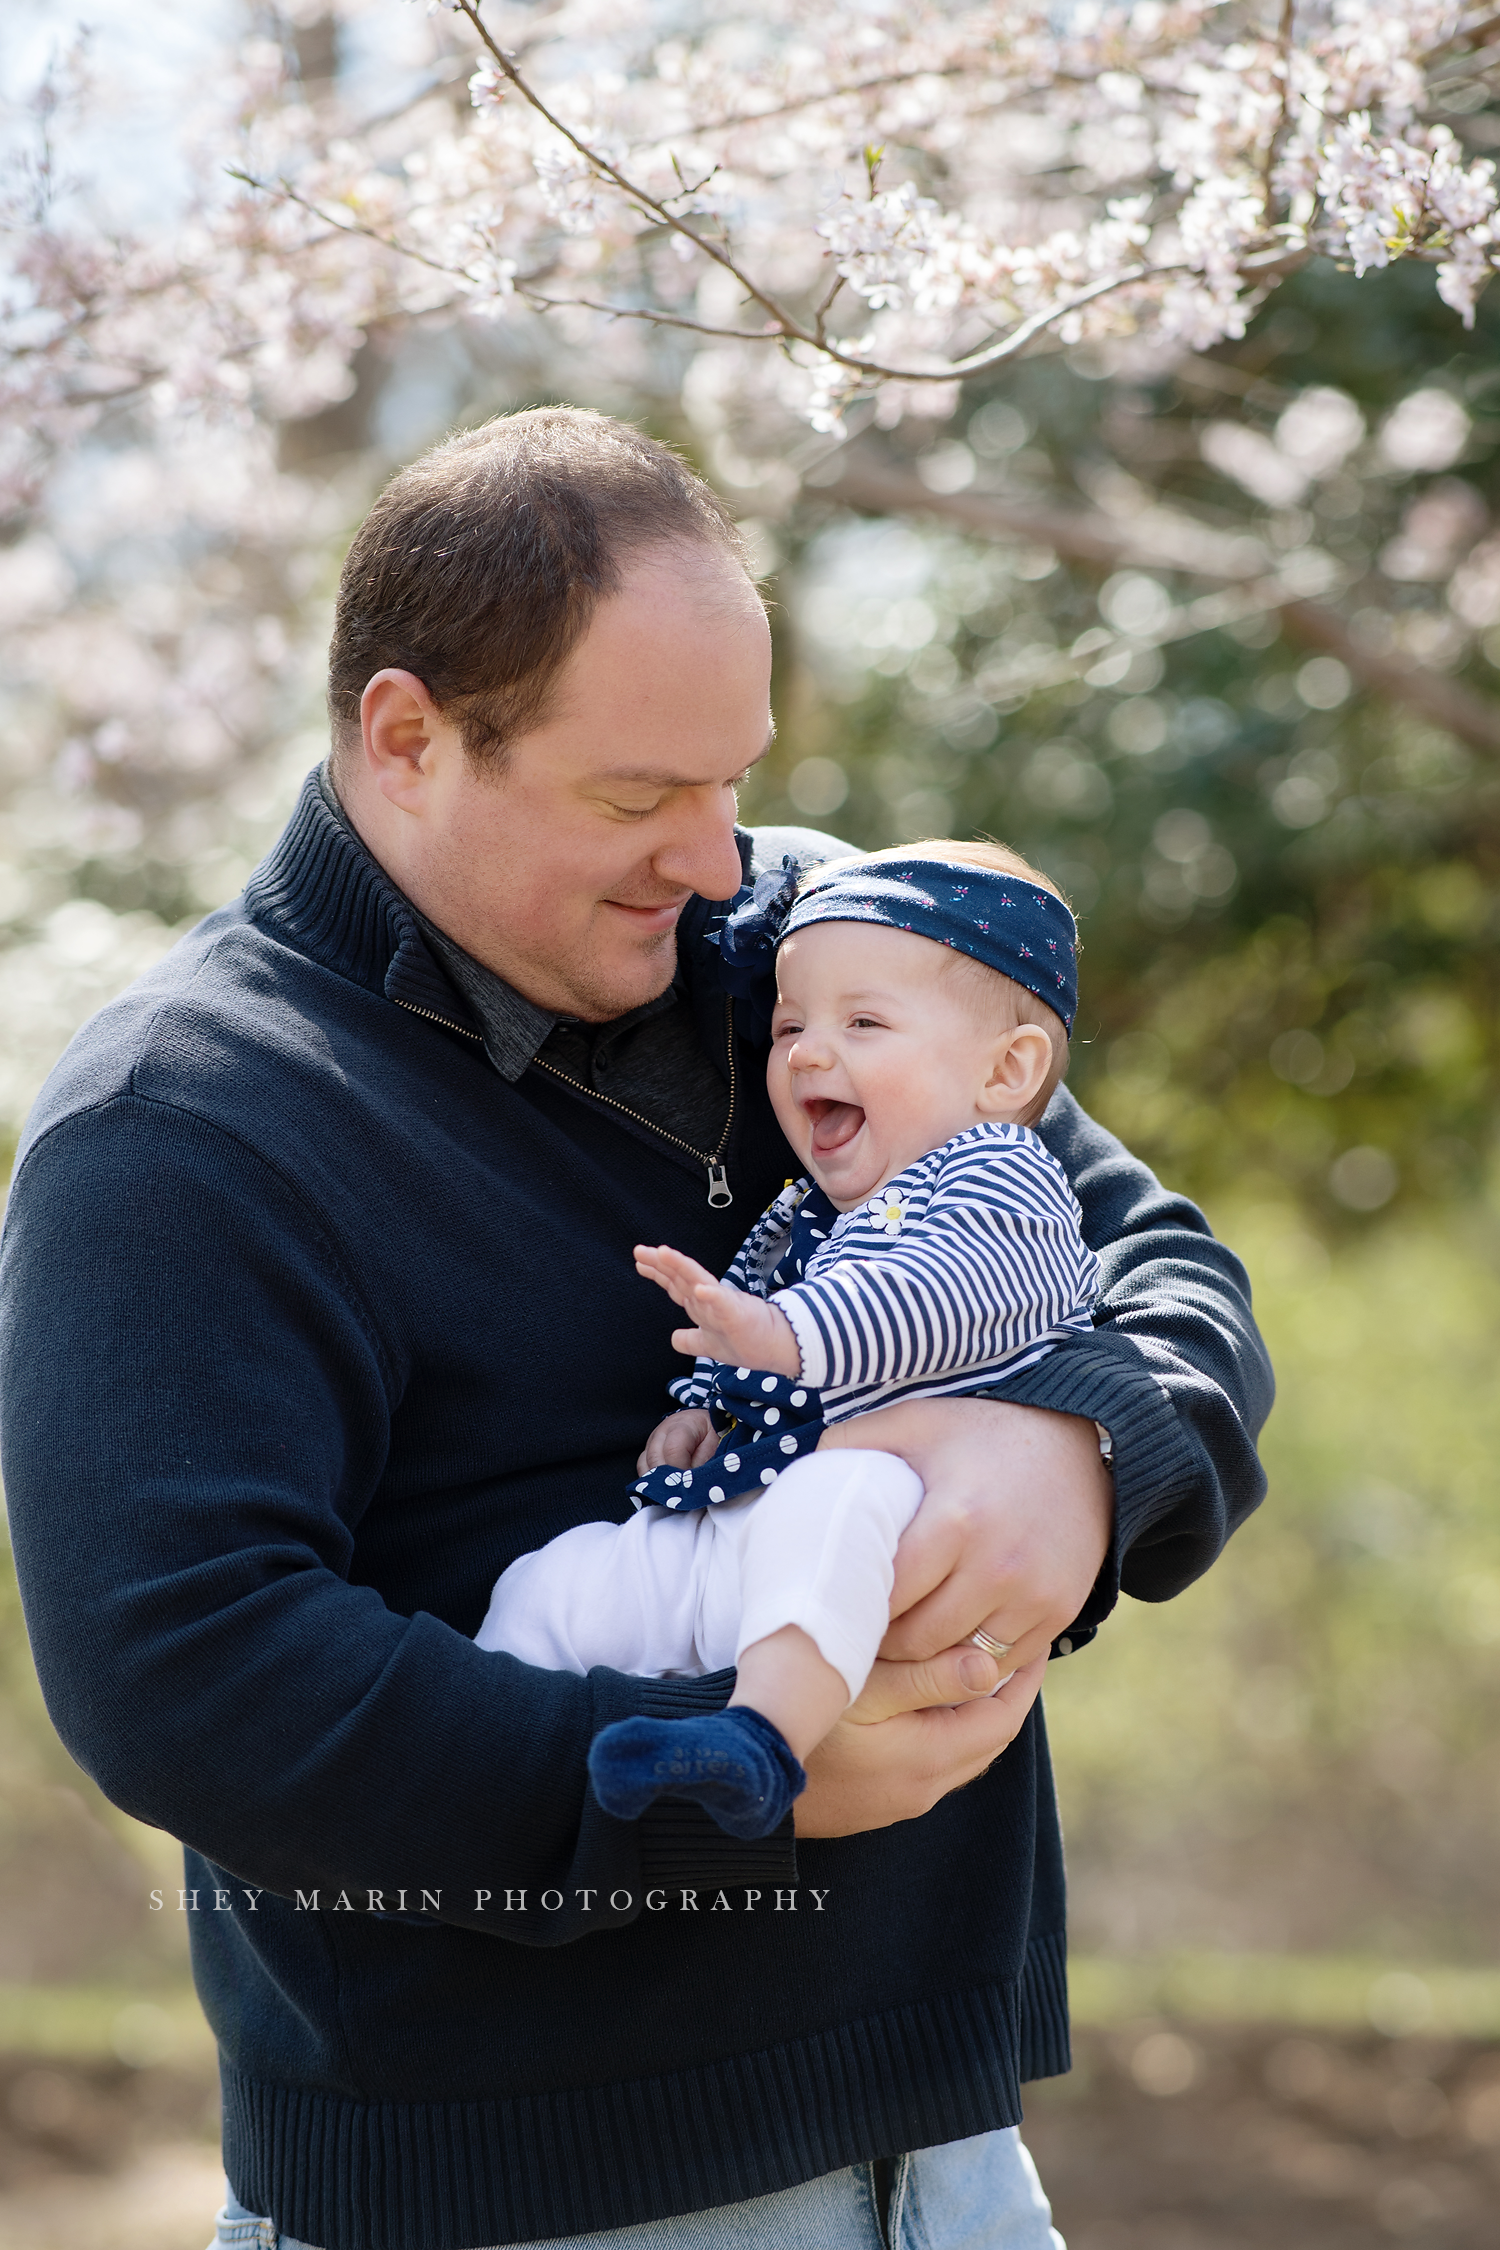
[[734, 1764]]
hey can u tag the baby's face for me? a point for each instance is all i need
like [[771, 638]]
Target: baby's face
[[875, 1059]]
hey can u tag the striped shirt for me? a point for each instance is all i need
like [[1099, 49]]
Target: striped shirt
[[968, 1264]]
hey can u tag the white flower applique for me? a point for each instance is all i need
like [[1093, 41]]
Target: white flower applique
[[888, 1210]]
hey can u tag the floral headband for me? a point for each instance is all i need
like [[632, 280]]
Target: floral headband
[[1006, 921]]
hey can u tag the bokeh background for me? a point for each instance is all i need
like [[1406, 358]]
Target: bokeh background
[[1280, 1792]]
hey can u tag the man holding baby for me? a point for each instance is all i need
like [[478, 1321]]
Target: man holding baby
[[320, 1311]]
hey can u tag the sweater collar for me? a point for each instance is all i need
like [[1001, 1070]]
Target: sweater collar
[[322, 888], [319, 889], [514, 1027]]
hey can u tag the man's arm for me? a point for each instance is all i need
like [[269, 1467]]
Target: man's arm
[[197, 1408], [1176, 1370]]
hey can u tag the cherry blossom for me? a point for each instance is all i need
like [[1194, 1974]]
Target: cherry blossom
[[726, 213], [972, 176]]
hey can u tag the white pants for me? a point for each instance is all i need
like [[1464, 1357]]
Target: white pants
[[689, 1593]]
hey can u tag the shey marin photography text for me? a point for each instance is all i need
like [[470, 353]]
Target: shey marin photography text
[[245, 1899]]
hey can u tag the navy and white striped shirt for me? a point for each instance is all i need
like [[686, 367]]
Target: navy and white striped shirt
[[969, 1263]]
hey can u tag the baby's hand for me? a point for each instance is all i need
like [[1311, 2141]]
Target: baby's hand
[[680, 1441], [732, 1325]]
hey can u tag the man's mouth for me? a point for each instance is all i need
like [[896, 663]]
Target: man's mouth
[[834, 1124], [650, 921]]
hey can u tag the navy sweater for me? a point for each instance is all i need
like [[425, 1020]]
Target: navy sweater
[[309, 1324]]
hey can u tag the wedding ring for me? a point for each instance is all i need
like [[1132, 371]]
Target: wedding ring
[[989, 1644]]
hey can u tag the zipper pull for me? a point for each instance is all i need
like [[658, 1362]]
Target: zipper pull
[[718, 1187]]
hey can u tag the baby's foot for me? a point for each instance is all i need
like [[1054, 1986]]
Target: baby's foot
[[734, 1763]]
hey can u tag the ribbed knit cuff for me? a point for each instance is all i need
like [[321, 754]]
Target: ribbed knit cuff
[[681, 1847]]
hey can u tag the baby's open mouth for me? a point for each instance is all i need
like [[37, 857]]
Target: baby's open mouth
[[834, 1124]]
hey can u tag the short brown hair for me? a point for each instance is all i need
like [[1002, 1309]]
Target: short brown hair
[[981, 982], [480, 566]]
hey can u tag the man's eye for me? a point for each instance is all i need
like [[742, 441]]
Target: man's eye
[[633, 812]]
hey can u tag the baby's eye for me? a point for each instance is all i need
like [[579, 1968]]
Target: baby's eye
[[866, 1023], [787, 1030]]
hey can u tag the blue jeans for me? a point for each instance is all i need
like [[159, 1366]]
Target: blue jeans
[[981, 2194]]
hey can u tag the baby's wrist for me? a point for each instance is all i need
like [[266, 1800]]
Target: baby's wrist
[[787, 1358]]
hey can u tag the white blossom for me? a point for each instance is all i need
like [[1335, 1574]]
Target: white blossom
[[888, 248], [953, 168], [487, 87], [1426, 432], [856, 208]]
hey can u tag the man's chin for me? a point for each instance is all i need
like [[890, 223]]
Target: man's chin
[[607, 989]]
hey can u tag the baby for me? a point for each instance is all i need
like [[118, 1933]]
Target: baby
[[922, 1004]]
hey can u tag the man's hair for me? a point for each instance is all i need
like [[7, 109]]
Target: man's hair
[[993, 997], [480, 566]]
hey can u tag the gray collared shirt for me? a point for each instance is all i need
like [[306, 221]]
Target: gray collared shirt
[[651, 1060]]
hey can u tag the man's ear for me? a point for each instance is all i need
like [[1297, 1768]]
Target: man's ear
[[400, 725], [1019, 1063]]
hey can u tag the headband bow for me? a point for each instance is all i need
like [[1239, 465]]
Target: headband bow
[[747, 940]]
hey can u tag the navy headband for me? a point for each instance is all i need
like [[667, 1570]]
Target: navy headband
[[1006, 921]]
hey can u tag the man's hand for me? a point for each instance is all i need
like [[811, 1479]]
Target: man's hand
[[1012, 1533], [917, 1731], [680, 1441], [731, 1324], [1011, 1536]]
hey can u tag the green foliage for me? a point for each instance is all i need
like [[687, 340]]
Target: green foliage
[[1287, 890], [1304, 1740]]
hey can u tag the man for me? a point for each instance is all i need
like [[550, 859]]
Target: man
[[318, 1309]]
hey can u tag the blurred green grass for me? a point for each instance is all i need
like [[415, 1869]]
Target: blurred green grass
[[99, 2022], [1333, 1991], [1297, 1753]]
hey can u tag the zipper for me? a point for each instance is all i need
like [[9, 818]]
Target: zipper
[[719, 1192], [446, 1021]]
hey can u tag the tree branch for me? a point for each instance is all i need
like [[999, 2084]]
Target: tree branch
[[1284, 44], [782, 327], [602, 166], [643, 312], [286, 193], [1474, 719], [1098, 543], [784, 324]]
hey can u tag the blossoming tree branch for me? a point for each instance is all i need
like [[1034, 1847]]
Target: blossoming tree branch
[[907, 197], [860, 218], [827, 255]]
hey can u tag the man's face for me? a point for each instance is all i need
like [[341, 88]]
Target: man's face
[[567, 873]]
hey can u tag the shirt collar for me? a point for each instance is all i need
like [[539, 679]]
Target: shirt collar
[[515, 1028]]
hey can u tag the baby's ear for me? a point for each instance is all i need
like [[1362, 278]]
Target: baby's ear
[[1019, 1062]]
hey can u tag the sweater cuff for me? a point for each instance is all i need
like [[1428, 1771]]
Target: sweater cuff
[[680, 1846], [1155, 1466]]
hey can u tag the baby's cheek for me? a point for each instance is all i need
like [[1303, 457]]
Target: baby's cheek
[[779, 1086]]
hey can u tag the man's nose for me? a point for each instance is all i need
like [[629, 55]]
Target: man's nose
[[702, 853]]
